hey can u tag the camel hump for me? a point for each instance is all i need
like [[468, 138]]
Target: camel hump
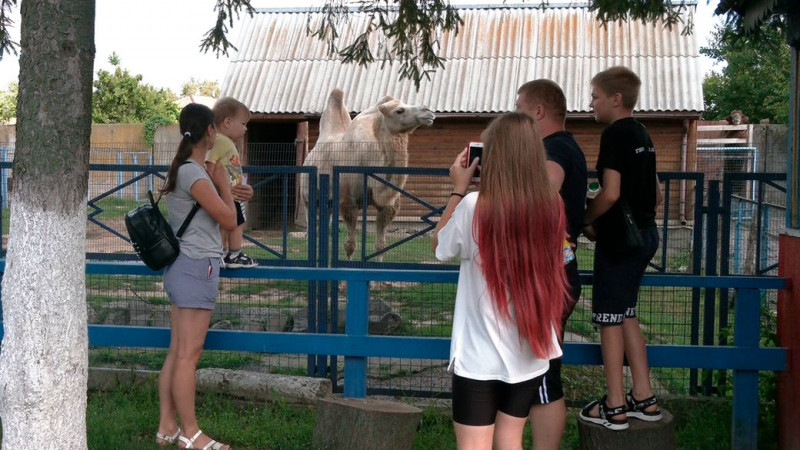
[[335, 118]]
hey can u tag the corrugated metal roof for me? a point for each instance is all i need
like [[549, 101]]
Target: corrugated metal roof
[[279, 69]]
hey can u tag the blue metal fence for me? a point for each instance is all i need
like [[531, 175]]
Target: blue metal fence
[[744, 357]]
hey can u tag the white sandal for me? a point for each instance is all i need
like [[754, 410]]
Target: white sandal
[[166, 440], [212, 444]]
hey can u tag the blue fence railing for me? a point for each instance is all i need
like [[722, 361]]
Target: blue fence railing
[[745, 357]]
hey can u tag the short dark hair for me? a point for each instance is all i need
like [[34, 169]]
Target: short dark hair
[[546, 92]]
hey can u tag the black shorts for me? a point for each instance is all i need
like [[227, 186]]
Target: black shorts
[[551, 389], [616, 281], [574, 279], [476, 403], [240, 214]]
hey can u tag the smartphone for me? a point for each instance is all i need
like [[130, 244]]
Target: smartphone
[[476, 151]]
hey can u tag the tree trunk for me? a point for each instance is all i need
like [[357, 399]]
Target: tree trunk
[[44, 358]]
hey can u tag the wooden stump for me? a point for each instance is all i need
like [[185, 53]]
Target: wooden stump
[[640, 434], [365, 424]]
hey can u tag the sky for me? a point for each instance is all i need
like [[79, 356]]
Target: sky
[[160, 39]]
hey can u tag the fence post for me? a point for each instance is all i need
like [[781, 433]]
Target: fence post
[[709, 310], [321, 319], [746, 333], [697, 269], [356, 324], [788, 396]]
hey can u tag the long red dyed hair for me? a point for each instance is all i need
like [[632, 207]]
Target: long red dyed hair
[[520, 227]]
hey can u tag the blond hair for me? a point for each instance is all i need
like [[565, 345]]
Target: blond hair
[[228, 107], [619, 80]]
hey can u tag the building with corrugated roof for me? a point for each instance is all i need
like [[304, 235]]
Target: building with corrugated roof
[[285, 76]]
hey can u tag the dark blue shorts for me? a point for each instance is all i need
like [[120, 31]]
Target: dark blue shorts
[[476, 403], [616, 281]]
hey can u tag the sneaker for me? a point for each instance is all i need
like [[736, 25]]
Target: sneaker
[[636, 408], [222, 263], [607, 414], [240, 260]]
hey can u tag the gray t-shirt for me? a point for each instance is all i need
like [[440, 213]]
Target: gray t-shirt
[[201, 239]]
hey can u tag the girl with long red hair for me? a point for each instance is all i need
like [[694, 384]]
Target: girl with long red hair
[[511, 287]]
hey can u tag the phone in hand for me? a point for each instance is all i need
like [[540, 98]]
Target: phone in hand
[[476, 151]]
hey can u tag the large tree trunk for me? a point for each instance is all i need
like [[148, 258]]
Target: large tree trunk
[[44, 356]]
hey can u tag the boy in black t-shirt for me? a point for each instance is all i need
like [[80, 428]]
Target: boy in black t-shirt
[[626, 169]]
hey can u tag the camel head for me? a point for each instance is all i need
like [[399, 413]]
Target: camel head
[[402, 118], [736, 117]]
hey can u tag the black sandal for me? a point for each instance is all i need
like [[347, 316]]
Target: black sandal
[[636, 408], [606, 415]]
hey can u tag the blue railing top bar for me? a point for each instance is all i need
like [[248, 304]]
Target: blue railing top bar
[[427, 276]]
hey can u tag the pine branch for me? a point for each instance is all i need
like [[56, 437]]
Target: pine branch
[[7, 46], [216, 39]]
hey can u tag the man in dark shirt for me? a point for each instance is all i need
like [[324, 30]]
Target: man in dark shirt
[[566, 166]]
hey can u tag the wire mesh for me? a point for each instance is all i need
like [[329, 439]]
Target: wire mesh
[[667, 315]]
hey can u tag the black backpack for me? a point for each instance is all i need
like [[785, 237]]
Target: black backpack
[[151, 235]]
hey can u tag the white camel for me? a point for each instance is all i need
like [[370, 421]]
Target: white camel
[[378, 136]]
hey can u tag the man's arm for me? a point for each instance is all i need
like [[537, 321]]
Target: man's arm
[[556, 174]]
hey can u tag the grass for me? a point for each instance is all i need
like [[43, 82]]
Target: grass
[[127, 418], [153, 359]]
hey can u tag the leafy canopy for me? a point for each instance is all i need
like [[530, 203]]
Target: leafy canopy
[[197, 87], [756, 77], [120, 97], [8, 103]]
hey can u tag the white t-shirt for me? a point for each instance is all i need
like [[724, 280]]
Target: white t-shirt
[[484, 345]]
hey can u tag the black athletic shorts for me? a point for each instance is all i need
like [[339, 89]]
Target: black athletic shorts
[[616, 281], [551, 389], [240, 215], [476, 403]]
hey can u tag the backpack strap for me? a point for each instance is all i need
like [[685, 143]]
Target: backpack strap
[[186, 221], [189, 218]]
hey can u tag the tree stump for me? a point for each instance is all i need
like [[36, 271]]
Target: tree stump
[[640, 434], [365, 424]]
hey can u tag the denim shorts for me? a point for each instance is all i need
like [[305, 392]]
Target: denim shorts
[[192, 283], [616, 281]]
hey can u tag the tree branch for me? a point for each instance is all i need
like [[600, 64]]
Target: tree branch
[[406, 31], [7, 46], [216, 38]]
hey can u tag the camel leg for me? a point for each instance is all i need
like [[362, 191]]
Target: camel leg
[[385, 216], [348, 211], [301, 214]]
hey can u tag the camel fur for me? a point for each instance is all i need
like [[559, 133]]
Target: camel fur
[[378, 136]]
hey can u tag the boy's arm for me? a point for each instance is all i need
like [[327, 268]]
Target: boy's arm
[[608, 195], [659, 194]]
